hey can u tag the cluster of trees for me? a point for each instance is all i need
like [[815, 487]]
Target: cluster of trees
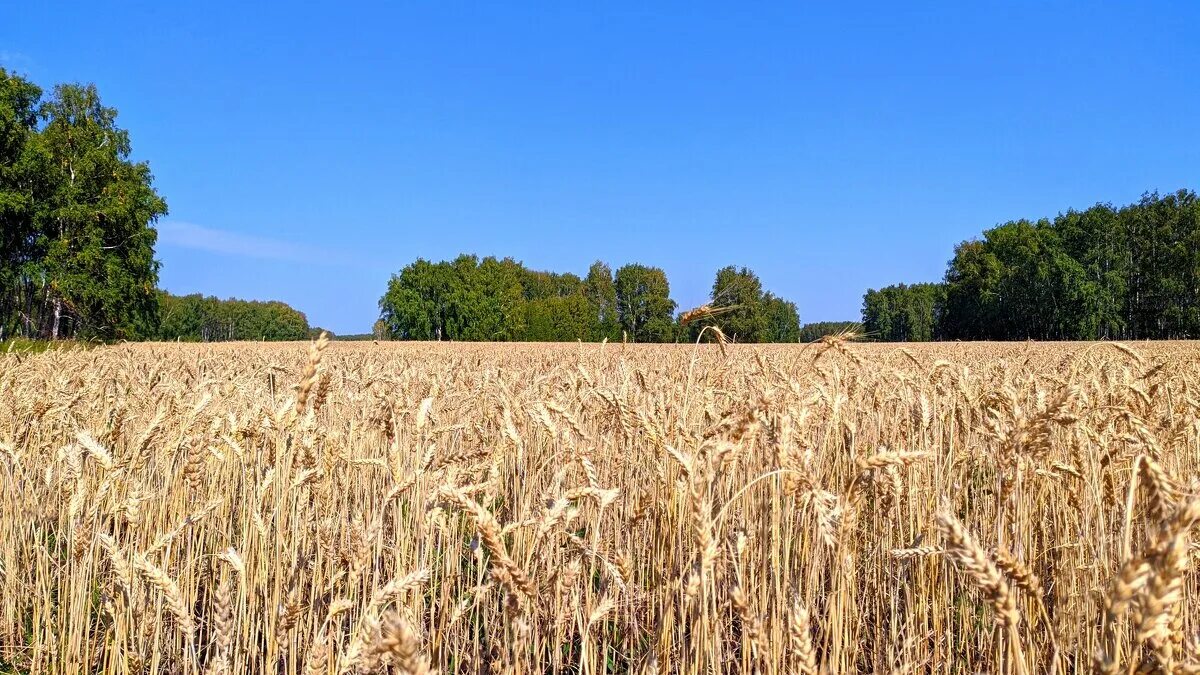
[[76, 242], [745, 312], [904, 313], [475, 299], [489, 299], [1130, 272], [196, 318]]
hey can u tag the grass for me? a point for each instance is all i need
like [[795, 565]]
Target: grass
[[831, 508]]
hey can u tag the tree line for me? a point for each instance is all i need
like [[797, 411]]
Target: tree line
[[196, 318], [1104, 273], [491, 299], [77, 242], [811, 332]]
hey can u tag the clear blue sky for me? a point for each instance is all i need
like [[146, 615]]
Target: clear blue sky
[[308, 152]]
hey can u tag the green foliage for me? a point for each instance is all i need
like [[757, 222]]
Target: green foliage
[[737, 303], [502, 300], [744, 312], [19, 158], [490, 299], [601, 293], [645, 309], [811, 332], [783, 319], [903, 313], [465, 299], [487, 300], [1102, 273], [417, 305], [559, 319], [77, 249], [196, 318]]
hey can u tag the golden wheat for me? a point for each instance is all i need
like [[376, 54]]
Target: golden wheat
[[833, 508]]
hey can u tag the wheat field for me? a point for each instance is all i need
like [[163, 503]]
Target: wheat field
[[413, 508]]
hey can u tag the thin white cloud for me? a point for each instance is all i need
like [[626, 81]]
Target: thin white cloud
[[225, 242]]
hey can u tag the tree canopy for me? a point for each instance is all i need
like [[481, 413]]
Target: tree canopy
[[1131, 272], [903, 313], [745, 312], [490, 299], [645, 309], [783, 319], [77, 249], [196, 318]]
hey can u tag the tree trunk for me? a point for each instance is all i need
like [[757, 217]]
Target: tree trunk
[[57, 318]]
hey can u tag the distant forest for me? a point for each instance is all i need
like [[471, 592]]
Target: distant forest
[[195, 318], [1105, 273], [77, 247]]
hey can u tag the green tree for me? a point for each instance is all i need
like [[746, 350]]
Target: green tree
[[601, 293], [744, 312], [1096, 240], [555, 307], [644, 305], [465, 299], [488, 302], [1163, 235], [904, 313], [783, 319], [538, 285], [972, 277], [738, 300], [1102, 273], [558, 319], [418, 302], [195, 318], [94, 223], [19, 183], [1019, 283]]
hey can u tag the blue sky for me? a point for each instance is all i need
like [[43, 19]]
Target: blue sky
[[307, 152]]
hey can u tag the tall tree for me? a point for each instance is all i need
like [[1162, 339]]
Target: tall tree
[[743, 311], [904, 313], [20, 179], [737, 294], [97, 272], [488, 303], [644, 305], [601, 293], [1095, 239], [972, 280], [1101, 273], [783, 319], [565, 318], [418, 301]]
